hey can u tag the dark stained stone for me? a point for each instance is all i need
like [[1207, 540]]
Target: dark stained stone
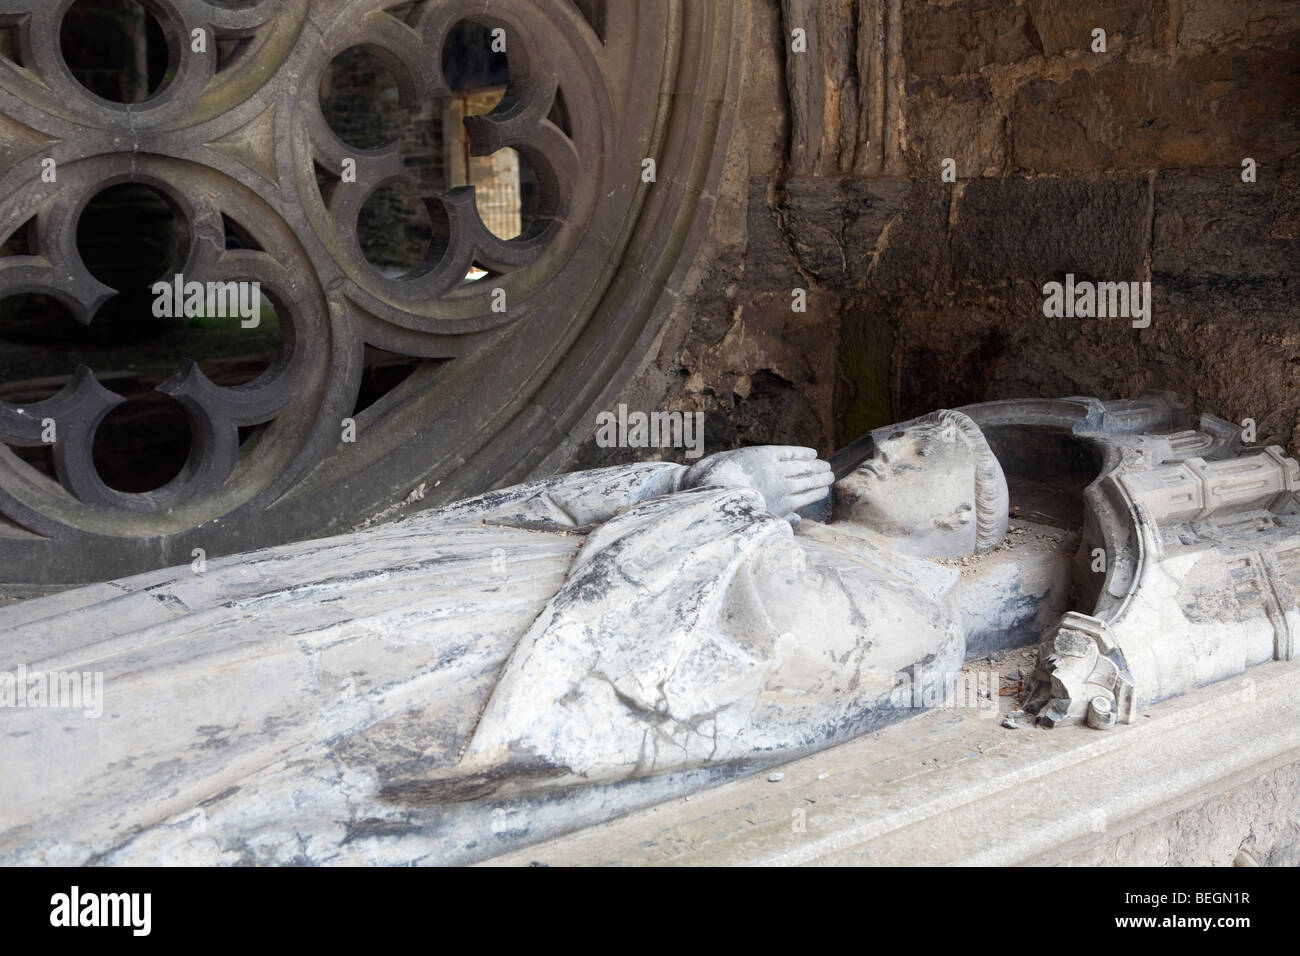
[[964, 37], [1214, 252], [1206, 110], [1043, 228]]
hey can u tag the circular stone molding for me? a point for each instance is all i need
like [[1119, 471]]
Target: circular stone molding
[[510, 368]]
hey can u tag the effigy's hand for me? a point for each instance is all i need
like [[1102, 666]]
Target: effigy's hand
[[787, 476]]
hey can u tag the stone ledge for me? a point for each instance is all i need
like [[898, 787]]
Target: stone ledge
[[951, 788]]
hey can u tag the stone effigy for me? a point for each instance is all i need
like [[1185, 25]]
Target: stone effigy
[[473, 678]]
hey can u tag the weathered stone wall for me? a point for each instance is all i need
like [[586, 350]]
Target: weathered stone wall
[[1123, 165]]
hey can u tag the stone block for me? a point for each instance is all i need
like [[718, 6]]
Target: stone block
[[770, 263], [1213, 251], [1040, 228], [876, 233], [1206, 110], [913, 254], [957, 119], [1060, 27], [963, 37], [1214, 23], [833, 225]]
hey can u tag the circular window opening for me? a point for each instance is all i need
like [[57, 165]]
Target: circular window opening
[[474, 57], [142, 444], [505, 184], [116, 49], [396, 233], [241, 338], [128, 238], [32, 326], [360, 100], [505, 192]]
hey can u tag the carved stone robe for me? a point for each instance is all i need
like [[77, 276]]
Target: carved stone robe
[[561, 650]]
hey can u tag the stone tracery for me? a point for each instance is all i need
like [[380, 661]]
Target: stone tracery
[[234, 138]]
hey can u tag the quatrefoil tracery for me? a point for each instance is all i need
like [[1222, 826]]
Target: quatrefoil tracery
[[295, 388], [216, 413], [411, 49], [520, 122], [492, 399]]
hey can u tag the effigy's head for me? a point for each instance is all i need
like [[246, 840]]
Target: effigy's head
[[933, 485]]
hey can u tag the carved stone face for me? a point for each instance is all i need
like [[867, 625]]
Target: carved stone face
[[919, 488]]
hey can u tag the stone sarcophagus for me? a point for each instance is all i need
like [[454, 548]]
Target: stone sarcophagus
[[477, 677]]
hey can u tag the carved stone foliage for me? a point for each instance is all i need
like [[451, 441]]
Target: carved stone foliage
[[235, 140]]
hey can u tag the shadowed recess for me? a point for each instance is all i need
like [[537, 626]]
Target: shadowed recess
[[359, 99], [142, 444], [116, 49]]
